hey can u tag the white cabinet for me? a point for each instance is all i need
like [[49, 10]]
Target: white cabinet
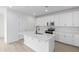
[[61, 21], [57, 20], [61, 37], [64, 19], [76, 18], [68, 38], [76, 40], [42, 21], [39, 44], [68, 19], [65, 38]]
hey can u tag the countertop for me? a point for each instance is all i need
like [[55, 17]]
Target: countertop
[[38, 36], [74, 33]]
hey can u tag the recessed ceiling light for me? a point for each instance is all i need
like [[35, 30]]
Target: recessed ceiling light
[[46, 8]]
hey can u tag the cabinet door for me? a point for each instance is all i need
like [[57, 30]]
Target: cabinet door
[[76, 40], [43, 45], [65, 38], [61, 37], [42, 21], [67, 19], [68, 38], [76, 18], [62, 20], [56, 20]]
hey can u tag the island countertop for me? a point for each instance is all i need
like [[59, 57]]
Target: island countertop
[[38, 36], [39, 42]]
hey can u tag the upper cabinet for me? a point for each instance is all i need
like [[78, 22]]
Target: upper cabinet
[[64, 19], [42, 21], [56, 20], [67, 19], [61, 20], [76, 18]]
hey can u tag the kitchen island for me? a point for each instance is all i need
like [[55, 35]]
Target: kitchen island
[[39, 42]]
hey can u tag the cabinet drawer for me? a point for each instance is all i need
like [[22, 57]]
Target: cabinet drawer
[[60, 37]]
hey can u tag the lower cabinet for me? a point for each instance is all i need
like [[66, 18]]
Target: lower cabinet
[[76, 40], [68, 38], [39, 45]]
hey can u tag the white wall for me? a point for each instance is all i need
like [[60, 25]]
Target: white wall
[[1, 26], [18, 22], [2, 10], [28, 23]]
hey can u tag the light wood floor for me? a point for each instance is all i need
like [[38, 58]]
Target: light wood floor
[[14, 47], [20, 47], [61, 47]]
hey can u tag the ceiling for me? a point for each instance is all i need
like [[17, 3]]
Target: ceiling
[[40, 10]]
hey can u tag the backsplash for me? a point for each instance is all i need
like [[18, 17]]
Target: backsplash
[[67, 29], [42, 29]]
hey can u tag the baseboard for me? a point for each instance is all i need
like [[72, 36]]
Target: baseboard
[[14, 40]]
